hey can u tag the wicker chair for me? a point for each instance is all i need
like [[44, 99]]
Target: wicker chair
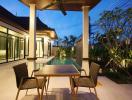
[[24, 82], [87, 81]]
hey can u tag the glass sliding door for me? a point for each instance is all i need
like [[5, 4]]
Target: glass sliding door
[[3, 52], [40, 47], [21, 48], [11, 41], [16, 48], [26, 46], [12, 45], [49, 48]]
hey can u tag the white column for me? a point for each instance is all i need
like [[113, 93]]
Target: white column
[[32, 32], [85, 38], [32, 38]]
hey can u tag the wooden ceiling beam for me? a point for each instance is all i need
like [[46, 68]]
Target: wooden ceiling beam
[[41, 4]]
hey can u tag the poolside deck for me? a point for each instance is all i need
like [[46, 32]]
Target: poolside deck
[[60, 90]]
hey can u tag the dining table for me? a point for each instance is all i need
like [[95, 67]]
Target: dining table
[[58, 71]]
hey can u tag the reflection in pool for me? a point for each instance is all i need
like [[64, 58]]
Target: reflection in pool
[[59, 61], [63, 61]]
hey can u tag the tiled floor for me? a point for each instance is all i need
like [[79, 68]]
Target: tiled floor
[[59, 88]]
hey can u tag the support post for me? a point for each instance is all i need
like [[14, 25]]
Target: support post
[[32, 38], [85, 55]]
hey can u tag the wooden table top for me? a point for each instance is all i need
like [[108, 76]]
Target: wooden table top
[[58, 70]]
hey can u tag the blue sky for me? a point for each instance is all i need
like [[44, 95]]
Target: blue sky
[[64, 25]]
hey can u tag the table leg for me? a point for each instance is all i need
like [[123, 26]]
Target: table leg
[[41, 97], [72, 88], [47, 83]]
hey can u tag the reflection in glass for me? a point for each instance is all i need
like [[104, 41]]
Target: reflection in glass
[[2, 48], [21, 48], [11, 45], [11, 41], [40, 47], [26, 46], [16, 48]]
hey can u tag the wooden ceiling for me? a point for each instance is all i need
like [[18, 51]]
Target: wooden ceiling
[[68, 5]]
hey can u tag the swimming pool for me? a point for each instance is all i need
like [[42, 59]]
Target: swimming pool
[[63, 61]]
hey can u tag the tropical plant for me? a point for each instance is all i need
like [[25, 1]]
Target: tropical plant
[[116, 25], [67, 47]]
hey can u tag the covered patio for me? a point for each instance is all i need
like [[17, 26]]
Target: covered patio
[[63, 5], [61, 76], [66, 5], [106, 89]]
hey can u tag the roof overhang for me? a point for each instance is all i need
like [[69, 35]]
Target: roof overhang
[[68, 5], [50, 33]]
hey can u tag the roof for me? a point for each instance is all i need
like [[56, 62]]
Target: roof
[[21, 23], [68, 5], [9, 18], [24, 22]]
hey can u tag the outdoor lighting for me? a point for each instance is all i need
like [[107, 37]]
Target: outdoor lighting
[[92, 46], [117, 37]]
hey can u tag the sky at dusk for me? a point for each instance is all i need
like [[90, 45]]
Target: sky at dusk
[[71, 24]]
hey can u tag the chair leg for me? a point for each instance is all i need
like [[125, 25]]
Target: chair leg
[[42, 90], [47, 84], [26, 91], [38, 88], [46, 91], [17, 94], [89, 89], [38, 93], [76, 90], [96, 93]]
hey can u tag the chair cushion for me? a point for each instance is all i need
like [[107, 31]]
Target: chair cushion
[[83, 82], [32, 83]]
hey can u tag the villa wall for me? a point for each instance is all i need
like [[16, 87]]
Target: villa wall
[[16, 51], [54, 51], [12, 43], [14, 37], [78, 48]]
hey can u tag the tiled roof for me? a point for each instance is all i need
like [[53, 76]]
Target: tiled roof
[[21, 23], [8, 18], [24, 22]]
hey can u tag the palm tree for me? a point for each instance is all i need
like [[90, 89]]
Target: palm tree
[[72, 40]]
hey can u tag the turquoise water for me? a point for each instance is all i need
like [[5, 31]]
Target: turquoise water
[[63, 61]]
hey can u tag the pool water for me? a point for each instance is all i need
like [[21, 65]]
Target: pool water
[[63, 61]]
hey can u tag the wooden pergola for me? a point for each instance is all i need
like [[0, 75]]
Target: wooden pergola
[[69, 5], [64, 5]]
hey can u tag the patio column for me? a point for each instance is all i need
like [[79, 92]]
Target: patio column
[[32, 37], [85, 39]]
